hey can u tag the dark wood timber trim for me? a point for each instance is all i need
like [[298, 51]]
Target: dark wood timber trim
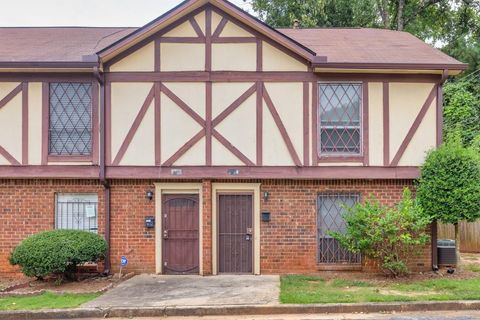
[[208, 122], [24, 123], [158, 121], [189, 144], [179, 102], [281, 127], [259, 133], [157, 55], [230, 147], [220, 28], [214, 76], [43, 76], [208, 39], [232, 107], [87, 66], [182, 40], [386, 123], [196, 27], [133, 129], [306, 128], [259, 55], [215, 172], [12, 94], [414, 127], [365, 124], [245, 172], [314, 123], [8, 156], [234, 40]]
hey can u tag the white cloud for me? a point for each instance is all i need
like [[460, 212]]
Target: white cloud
[[112, 13]]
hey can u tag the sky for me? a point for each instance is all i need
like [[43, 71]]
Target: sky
[[92, 13]]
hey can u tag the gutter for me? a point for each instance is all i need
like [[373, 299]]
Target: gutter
[[102, 177]]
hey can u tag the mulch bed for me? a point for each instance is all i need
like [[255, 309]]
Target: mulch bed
[[86, 284]]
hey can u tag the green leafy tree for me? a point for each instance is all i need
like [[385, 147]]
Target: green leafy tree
[[462, 112], [449, 185], [384, 234]]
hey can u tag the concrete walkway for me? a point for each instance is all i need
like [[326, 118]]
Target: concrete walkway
[[170, 291]]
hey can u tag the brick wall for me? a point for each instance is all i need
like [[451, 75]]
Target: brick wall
[[28, 207], [288, 241]]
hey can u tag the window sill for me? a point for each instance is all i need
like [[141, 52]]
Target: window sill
[[55, 158], [340, 158]]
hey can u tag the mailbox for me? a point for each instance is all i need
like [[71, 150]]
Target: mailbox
[[266, 216], [150, 222]]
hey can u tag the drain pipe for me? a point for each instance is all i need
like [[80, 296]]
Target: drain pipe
[[102, 176], [434, 227]]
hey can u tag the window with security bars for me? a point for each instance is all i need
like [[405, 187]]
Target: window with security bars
[[331, 208], [340, 120], [70, 125], [76, 211]]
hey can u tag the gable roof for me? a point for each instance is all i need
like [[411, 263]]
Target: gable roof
[[324, 48], [189, 6]]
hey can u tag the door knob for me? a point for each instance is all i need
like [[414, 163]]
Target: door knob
[[165, 234]]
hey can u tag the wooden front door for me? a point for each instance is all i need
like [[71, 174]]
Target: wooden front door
[[235, 231], [180, 233]]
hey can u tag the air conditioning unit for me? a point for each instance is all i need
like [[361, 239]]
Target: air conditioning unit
[[446, 252]]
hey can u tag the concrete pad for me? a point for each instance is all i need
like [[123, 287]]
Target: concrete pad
[[170, 291]]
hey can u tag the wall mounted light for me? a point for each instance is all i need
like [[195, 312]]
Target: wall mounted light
[[266, 194], [149, 195]]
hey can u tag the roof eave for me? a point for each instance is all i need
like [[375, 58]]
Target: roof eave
[[395, 66], [47, 65]]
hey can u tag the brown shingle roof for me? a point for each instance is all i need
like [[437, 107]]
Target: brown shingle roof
[[67, 44], [71, 44], [363, 45]]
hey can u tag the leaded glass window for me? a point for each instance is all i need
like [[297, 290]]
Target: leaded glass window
[[340, 119], [70, 119], [331, 208]]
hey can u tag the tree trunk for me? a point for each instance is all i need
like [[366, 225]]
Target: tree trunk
[[383, 9], [400, 18], [457, 243]]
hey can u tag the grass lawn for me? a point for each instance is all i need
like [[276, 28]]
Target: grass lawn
[[311, 289], [46, 301]]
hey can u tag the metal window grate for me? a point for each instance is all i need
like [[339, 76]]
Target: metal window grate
[[340, 118], [70, 127], [331, 208], [76, 212]]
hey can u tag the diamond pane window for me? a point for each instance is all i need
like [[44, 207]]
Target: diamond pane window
[[331, 208], [340, 121], [70, 127]]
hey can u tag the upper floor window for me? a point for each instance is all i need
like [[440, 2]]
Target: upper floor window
[[340, 119], [70, 125]]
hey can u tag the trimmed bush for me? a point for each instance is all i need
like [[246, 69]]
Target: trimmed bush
[[57, 251]]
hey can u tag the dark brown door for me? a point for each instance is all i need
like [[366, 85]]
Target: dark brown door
[[180, 233], [235, 243]]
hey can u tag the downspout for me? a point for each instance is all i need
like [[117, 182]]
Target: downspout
[[434, 235], [102, 176]]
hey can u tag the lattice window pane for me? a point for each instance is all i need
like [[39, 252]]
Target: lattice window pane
[[340, 120], [70, 127], [76, 212], [331, 208]]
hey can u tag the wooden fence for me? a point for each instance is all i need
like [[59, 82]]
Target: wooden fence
[[469, 235]]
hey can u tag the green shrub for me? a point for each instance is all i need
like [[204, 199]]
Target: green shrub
[[386, 235], [57, 251]]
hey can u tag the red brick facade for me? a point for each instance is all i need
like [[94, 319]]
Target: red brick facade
[[288, 241]]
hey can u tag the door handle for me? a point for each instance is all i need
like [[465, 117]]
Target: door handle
[[165, 234]]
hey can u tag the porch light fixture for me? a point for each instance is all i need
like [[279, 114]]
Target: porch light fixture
[[266, 194], [150, 195]]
